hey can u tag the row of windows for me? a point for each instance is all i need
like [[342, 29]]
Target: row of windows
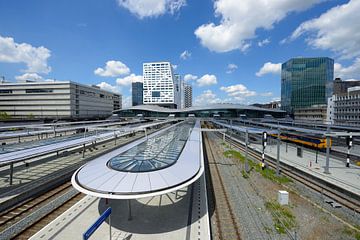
[[8, 91], [347, 97]]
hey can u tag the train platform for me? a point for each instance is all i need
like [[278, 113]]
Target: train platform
[[340, 175], [177, 215]]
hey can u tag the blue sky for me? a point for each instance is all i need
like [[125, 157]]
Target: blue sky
[[229, 50]]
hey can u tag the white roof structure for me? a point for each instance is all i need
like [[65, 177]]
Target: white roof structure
[[52, 147], [167, 161]]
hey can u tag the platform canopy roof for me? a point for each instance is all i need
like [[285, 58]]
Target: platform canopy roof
[[163, 162]]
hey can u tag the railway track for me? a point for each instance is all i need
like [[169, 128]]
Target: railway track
[[225, 221], [31, 230], [339, 195], [14, 215]]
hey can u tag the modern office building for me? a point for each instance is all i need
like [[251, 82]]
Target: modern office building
[[137, 93], [159, 85], [56, 100], [347, 107], [306, 82], [341, 87], [178, 90], [187, 95]]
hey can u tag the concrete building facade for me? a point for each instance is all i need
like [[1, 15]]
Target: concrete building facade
[[341, 87], [347, 107], [315, 113], [159, 85], [56, 100]]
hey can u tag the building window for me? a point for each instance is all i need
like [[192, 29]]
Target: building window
[[38, 90], [5, 91]]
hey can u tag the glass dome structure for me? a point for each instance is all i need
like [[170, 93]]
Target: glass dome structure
[[156, 153]]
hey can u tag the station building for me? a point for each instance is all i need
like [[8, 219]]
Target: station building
[[221, 110], [56, 100]]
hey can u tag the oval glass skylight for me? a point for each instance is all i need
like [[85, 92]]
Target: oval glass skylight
[[156, 153]]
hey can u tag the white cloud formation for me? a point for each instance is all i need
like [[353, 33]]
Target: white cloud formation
[[264, 42], [239, 92], [29, 77], [112, 69], [185, 55], [151, 8], [126, 81], [108, 87], [174, 66], [269, 67], [231, 68], [206, 98], [266, 94], [241, 19], [126, 101], [190, 77], [35, 58], [350, 72], [206, 80], [336, 30]]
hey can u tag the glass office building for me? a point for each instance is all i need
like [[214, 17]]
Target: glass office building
[[137, 93], [306, 82]]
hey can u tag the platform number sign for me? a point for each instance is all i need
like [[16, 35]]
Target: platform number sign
[[349, 143], [264, 141]]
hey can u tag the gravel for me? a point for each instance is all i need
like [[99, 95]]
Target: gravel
[[254, 220], [35, 216]]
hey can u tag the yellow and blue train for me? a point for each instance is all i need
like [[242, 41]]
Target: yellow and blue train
[[309, 141]]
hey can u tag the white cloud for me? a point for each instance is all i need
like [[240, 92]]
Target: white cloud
[[190, 77], [129, 79], [126, 101], [151, 8], [108, 87], [241, 19], [264, 42], [29, 77], [336, 30], [269, 67], [239, 92], [35, 58], [231, 68], [266, 94], [174, 66], [185, 55], [112, 69], [206, 80], [350, 72], [206, 98]]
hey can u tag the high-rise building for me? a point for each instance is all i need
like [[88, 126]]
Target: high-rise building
[[306, 82], [187, 95], [159, 84], [56, 100], [137, 93], [178, 83]]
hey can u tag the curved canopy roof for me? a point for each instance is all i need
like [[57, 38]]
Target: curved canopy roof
[[152, 166], [155, 108]]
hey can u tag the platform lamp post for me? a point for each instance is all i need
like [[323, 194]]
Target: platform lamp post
[[327, 150], [278, 154], [246, 150], [264, 141], [349, 142]]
